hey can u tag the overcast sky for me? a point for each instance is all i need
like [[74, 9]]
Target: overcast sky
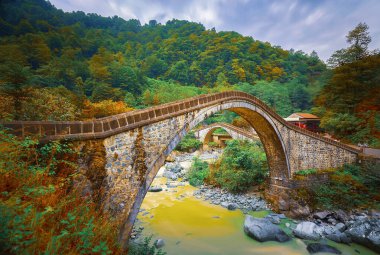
[[306, 25]]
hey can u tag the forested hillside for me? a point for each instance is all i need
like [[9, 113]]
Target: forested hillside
[[86, 63], [76, 66]]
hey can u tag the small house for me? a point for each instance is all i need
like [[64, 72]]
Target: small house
[[305, 120]]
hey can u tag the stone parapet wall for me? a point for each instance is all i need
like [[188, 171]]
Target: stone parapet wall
[[105, 127]]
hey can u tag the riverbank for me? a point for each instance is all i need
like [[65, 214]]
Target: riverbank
[[207, 220]]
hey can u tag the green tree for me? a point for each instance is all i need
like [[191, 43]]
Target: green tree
[[359, 39], [242, 165]]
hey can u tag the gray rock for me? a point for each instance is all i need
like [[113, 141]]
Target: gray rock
[[299, 211], [318, 247], [307, 230], [232, 206], [321, 215], [340, 226], [170, 175], [155, 189], [366, 232], [339, 237], [283, 205], [159, 243], [173, 167], [263, 230], [274, 219], [224, 204], [332, 221], [341, 216]]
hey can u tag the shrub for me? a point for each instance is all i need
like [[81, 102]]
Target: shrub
[[307, 172], [351, 186], [220, 131], [103, 109], [189, 143], [213, 145], [242, 165], [198, 172], [144, 248], [40, 211]]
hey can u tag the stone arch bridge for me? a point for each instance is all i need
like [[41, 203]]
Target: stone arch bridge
[[204, 134], [131, 147]]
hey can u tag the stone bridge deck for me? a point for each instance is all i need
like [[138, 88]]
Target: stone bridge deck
[[108, 126]]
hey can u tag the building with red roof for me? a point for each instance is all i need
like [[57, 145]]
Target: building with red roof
[[305, 120]]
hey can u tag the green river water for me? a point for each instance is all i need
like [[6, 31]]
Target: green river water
[[192, 226]]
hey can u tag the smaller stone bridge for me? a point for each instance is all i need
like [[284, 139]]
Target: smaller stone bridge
[[205, 134]]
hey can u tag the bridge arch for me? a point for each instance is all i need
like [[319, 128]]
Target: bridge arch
[[265, 127], [205, 133]]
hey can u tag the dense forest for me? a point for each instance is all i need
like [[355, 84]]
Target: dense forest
[[56, 65], [75, 57]]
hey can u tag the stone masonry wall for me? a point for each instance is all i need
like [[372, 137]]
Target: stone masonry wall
[[129, 157]]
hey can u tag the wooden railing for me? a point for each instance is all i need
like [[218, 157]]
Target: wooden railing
[[105, 127]]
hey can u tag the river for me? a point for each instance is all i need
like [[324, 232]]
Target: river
[[193, 226]]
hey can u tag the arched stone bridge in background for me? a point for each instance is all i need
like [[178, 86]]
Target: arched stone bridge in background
[[205, 134], [131, 147]]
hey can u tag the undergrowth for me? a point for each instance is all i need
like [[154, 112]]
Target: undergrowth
[[351, 186], [40, 210], [198, 172], [144, 247]]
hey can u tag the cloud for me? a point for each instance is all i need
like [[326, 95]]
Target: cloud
[[302, 25]]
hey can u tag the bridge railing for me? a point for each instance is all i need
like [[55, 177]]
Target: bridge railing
[[231, 127], [104, 127]]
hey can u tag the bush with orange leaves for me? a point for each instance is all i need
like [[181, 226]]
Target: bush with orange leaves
[[103, 109], [40, 212]]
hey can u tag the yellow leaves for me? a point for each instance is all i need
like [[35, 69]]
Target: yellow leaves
[[238, 70], [277, 72], [98, 65], [12, 53], [103, 109]]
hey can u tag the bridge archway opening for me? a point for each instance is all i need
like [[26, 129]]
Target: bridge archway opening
[[261, 122], [218, 139]]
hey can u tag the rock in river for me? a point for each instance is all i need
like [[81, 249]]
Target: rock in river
[[318, 247], [155, 189], [159, 243], [263, 230], [307, 230], [366, 232]]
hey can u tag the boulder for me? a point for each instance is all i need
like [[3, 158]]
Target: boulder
[[341, 216], [283, 205], [159, 243], [321, 215], [155, 189], [224, 204], [366, 232], [318, 247], [307, 230], [339, 237], [340, 226], [299, 210], [173, 167], [170, 175], [263, 230], [274, 219], [232, 206]]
